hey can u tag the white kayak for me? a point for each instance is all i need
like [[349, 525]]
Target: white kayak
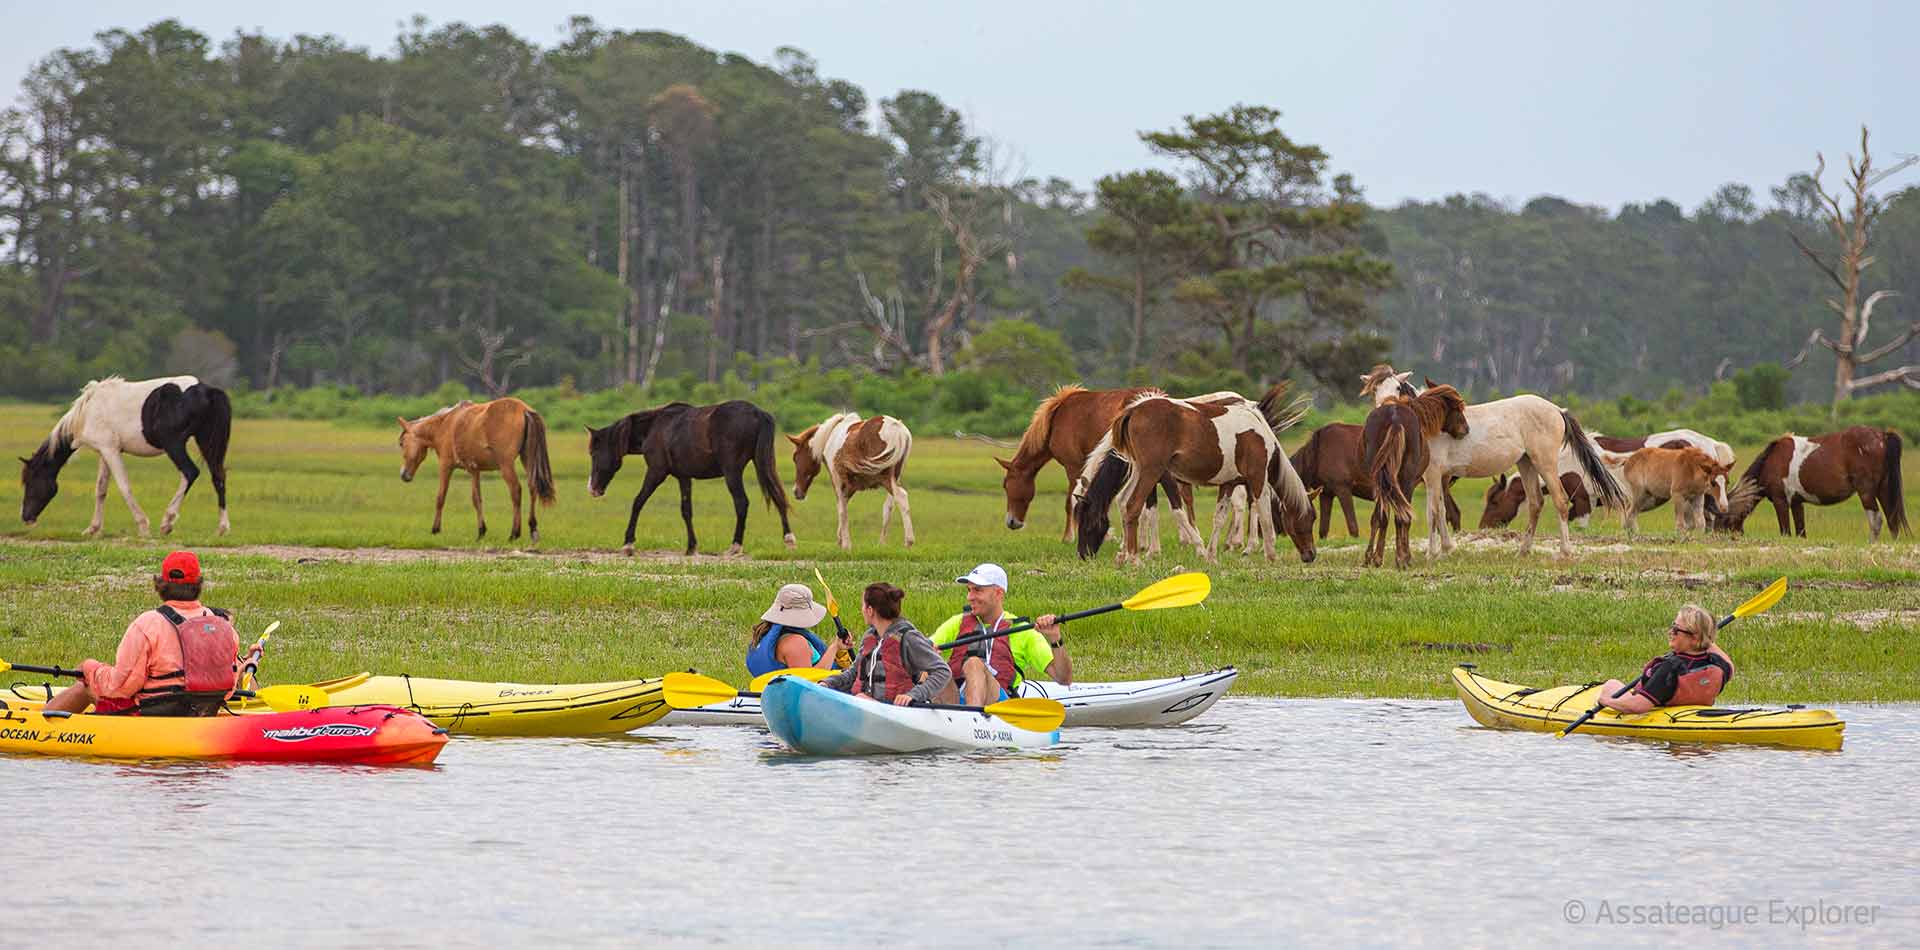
[[819, 721], [1161, 702]]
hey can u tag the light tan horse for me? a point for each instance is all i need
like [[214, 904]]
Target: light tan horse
[[1652, 476], [482, 437], [856, 454]]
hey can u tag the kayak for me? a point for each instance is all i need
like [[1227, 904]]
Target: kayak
[[464, 707], [819, 721], [1161, 702], [364, 735], [1509, 706]]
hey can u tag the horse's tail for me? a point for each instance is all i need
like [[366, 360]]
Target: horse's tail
[[215, 430], [1110, 472], [1751, 487], [763, 469], [1385, 471], [1280, 415], [533, 454], [1893, 502], [1607, 491]]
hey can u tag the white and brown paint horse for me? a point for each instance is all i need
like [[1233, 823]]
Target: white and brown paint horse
[[1826, 470], [1219, 439], [483, 437], [1522, 432], [856, 454], [145, 418], [1652, 476]]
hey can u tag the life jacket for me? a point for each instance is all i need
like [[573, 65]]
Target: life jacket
[[882, 669], [1698, 677], [998, 652], [207, 670], [764, 657]]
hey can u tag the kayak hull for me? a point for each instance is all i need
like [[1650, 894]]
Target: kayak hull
[[1500, 705], [1161, 702], [813, 719], [363, 735]]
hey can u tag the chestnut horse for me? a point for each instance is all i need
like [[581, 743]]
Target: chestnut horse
[[856, 455], [1395, 441], [1064, 429], [482, 437], [1331, 462], [1506, 495], [686, 442], [1826, 470], [1669, 439], [1652, 476]]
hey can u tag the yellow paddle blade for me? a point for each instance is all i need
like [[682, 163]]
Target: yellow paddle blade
[[270, 629], [292, 698], [5, 666], [1763, 600], [1180, 590], [693, 690], [808, 673], [833, 603], [1032, 713]]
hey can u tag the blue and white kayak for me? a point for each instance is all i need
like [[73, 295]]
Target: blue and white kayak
[[819, 721]]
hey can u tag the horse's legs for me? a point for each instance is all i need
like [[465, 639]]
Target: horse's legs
[[1529, 477], [654, 478], [533, 506], [738, 487], [1874, 521], [1073, 483], [119, 469], [1260, 510], [886, 511], [99, 498], [1222, 520], [1376, 535], [899, 496], [177, 454], [440, 500], [1439, 540], [1326, 511], [513, 492], [846, 533], [1799, 518], [478, 514], [1403, 538], [218, 472]]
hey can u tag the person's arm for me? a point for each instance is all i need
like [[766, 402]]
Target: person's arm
[[842, 681], [128, 673], [1060, 667], [1656, 688], [919, 653], [1633, 702]]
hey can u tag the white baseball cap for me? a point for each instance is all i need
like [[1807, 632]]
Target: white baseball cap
[[985, 575]]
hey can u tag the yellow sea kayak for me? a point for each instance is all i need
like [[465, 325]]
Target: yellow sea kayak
[[1510, 706]]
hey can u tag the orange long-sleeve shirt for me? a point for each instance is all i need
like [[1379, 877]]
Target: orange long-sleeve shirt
[[149, 648]]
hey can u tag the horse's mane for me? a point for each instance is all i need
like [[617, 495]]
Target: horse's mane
[[820, 435], [62, 435], [1433, 405], [1034, 440]]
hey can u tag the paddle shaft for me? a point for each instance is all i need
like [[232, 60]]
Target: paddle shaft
[[748, 694], [1624, 690], [1025, 625], [43, 670]]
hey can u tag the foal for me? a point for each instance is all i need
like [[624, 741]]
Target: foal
[[1652, 476], [483, 437], [856, 455], [1396, 439]]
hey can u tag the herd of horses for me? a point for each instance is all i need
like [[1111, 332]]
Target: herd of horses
[[1124, 447]]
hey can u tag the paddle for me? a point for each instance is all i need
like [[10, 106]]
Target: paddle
[[1758, 603], [833, 610], [250, 666], [811, 674], [1036, 714], [278, 698], [1180, 590]]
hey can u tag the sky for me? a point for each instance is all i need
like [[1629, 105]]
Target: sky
[[1601, 104]]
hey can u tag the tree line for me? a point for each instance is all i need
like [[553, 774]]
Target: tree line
[[628, 208]]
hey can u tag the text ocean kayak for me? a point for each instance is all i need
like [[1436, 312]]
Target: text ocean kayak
[[366, 735], [819, 721], [464, 707], [1510, 706], [1161, 702]]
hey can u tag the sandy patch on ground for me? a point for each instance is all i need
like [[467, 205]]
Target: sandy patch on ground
[[302, 554], [1864, 619]]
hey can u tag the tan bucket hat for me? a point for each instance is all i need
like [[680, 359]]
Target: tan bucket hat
[[793, 606]]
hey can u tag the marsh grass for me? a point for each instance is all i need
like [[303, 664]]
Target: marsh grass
[[327, 539]]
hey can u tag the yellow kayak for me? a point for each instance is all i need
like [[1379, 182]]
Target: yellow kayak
[[1510, 706]]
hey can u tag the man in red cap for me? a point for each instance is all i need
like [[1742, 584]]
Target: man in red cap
[[176, 659]]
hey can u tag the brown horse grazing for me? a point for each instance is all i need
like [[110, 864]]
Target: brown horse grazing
[[1064, 429], [1331, 461], [1826, 470], [1506, 495], [483, 437], [689, 442], [856, 455], [1652, 476], [1395, 440]]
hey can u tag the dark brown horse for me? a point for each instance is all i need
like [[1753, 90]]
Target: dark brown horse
[[1064, 429], [482, 437], [1826, 470], [688, 442], [1506, 495], [1331, 461], [1395, 440]]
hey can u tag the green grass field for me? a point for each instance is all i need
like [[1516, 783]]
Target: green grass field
[[327, 539]]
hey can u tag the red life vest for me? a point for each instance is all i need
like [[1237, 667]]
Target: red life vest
[[1698, 678], [891, 679], [999, 653], [207, 664]]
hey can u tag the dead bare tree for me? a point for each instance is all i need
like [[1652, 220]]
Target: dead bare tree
[[497, 360], [1852, 229]]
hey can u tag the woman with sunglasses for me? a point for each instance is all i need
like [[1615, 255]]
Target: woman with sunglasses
[[1693, 674]]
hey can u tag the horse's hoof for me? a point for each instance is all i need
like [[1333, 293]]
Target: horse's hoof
[[166, 527], [533, 537], [90, 532], [792, 545], [628, 550], [736, 550], [436, 529]]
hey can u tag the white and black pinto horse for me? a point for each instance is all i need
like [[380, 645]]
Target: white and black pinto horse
[[145, 418]]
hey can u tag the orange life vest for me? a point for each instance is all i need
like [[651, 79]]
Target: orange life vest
[[997, 651], [1696, 678], [881, 671]]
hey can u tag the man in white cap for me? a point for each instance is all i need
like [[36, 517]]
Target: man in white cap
[[992, 670]]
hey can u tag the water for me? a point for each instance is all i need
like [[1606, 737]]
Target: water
[[1264, 822]]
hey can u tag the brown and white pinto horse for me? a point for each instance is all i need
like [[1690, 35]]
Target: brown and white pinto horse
[[1826, 470], [483, 437], [1652, 476], [1065, 429], [856, 455], [1505, 496], [1395, 441], [143, 418]]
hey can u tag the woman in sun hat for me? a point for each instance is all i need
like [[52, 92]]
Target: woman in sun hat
[[784, 637]]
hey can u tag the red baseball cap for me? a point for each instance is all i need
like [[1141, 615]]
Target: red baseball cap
[[181, 567]]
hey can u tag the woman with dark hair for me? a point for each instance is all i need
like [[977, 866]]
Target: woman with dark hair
[[176, 659], [784, 637], [897, 663]]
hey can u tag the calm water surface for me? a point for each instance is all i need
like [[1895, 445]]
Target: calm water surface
[[1265, 822]]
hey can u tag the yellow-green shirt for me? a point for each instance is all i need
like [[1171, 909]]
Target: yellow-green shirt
[[1031, 654]]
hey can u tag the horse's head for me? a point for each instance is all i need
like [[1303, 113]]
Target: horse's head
[[413, 449], [806, 466], [1453, 421], [1299, 527], [1717, 474], [39, 479], [1018, 484], [1377, 378], [1502, 502], [608, 449]]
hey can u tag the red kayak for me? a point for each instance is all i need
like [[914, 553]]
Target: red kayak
[[366, 735]]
